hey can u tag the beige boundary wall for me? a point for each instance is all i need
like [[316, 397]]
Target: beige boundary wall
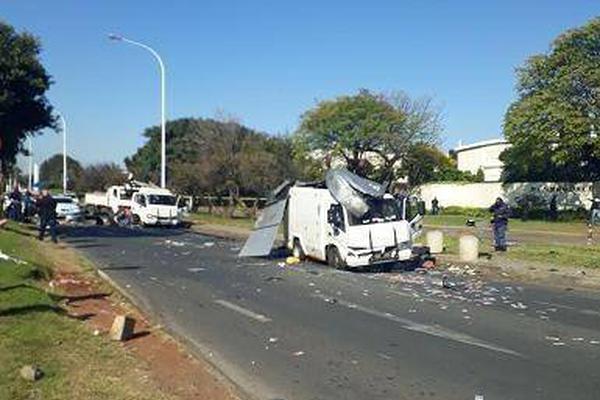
[[482, 195]]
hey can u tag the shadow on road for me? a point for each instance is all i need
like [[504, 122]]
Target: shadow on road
[[80, 233]]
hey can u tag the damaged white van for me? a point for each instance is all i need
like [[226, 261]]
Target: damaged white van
[[346, 221], [321, 228]]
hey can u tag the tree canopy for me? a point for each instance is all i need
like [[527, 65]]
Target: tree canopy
[[51, 172], [98, 177], [371, 132], [425, 163], [24, 109], [554, 123], [216, 157]]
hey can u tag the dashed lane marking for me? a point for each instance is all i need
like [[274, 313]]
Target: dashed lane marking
[[244, 311]]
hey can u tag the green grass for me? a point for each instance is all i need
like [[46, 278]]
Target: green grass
[[550, 255], [214, 219], [515, 224], [35, 330]]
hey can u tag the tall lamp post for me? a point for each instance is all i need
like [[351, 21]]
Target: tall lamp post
[[64, 129], [163, 140], [30, 180]]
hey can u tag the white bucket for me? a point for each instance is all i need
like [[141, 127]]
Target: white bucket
[[435, 241], [468, 248]]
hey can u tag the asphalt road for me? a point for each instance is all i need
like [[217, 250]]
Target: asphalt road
[[309, 332]]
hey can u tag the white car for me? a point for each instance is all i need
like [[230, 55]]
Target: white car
[[67, 208]]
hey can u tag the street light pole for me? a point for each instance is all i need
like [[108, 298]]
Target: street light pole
[[64, 126], [163, 134], [30, 181]]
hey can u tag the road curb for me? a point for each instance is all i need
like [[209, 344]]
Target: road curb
[[190, 346]]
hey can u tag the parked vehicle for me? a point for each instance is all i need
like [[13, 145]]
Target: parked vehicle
[[321, 228], [68, 208], [147, 205]]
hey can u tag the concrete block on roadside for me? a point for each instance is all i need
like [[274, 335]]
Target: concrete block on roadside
[[468, 248], [435, 241], [31, 373], [122, 328]]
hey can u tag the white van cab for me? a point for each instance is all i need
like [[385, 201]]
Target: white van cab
[[321, 228], [155, 206]]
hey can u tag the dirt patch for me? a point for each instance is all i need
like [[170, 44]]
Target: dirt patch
[[164, 361]]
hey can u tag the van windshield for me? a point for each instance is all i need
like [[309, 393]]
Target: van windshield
[[162, 199], [381, 210]]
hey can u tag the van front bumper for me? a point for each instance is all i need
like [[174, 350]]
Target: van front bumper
[[354, 259]]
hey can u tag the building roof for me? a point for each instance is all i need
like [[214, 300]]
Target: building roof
[[483, 143]]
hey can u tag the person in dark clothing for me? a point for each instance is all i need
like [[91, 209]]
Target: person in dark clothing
[[14, 208], [46, 206], [553, 209], [435, 206], [500, 223], [595, 211]]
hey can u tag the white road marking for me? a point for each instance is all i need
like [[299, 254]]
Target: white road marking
[[243, 311], [429, 329], [578, 310]]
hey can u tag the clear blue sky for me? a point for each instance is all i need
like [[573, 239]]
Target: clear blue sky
[[268, 61]]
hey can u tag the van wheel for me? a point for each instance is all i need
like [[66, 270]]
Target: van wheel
[[334, 259], [297, 250], [136, 219]]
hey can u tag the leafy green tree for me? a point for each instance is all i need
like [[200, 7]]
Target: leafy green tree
[[215, 157], [51, 172], [24, 109], [371, 132], [426, 163], [98, 177], [554, 124]]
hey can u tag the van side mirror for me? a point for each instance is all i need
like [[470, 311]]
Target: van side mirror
[[331, 215], [335, 216], [421, 207]]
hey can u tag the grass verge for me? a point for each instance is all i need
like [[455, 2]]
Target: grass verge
[[34, 329], [547, 254], [577, 227]]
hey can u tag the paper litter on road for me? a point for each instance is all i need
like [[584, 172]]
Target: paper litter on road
[[174, 243], [209, 244], [199, 269], [298, 353]]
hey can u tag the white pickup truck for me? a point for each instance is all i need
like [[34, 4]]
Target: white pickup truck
[[148, 205]]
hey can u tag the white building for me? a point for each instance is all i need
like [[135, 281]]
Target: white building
[[483, 155]]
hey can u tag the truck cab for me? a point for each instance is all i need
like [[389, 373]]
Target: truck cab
[[154, 206], [321, 228]]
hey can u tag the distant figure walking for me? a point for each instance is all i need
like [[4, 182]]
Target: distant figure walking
[[46, 206], [435, 206], [595, 211], [553, 209], [500, 223]]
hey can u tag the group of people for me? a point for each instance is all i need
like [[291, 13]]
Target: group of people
[[23, 206], [19, 206]]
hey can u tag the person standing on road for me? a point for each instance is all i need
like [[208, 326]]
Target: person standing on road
[[435, 206], [46, 206], [553, 209], [500, 223], [595, 211]]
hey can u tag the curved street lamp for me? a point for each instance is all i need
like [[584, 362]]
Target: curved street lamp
[[163, 140], [64, 129]]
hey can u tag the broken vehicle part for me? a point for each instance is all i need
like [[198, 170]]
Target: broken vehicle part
[[263, 235]]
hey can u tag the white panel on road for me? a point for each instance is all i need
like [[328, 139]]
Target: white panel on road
[[263, 236]]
